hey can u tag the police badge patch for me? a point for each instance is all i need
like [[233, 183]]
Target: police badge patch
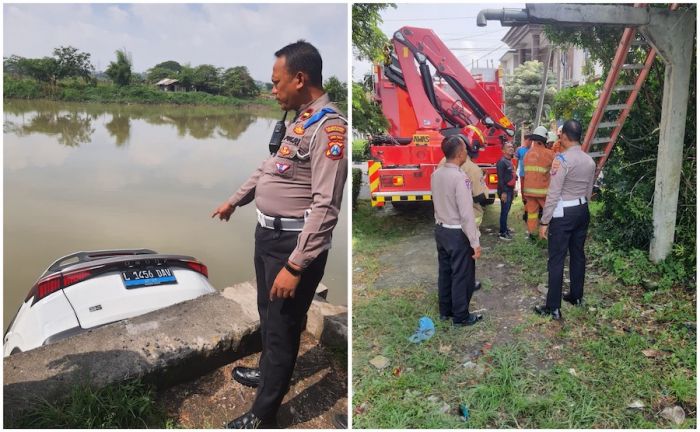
[[335, 150], [468, 183], [299, 129], [282, 167]]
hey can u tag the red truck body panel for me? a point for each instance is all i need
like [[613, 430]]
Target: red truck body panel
[[420, 115]]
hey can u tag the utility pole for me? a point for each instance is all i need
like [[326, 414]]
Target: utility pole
[[540, 103], [671, 33]]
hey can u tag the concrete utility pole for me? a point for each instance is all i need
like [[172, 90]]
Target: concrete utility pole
[[540, 102], [671, 33]]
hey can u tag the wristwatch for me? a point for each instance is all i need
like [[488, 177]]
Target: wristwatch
[[292, 270]]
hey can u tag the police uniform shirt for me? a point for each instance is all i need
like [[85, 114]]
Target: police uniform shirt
[[452, 200], [476, 175], [308, 172], [572, 176]]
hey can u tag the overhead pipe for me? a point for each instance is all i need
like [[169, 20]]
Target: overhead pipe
[[507, 17]]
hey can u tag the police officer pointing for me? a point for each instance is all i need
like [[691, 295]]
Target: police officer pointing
[[297, 192], [566, 218], [456, 234]]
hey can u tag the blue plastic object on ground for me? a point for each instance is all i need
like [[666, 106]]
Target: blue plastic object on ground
[[464, 412], [426, 330]]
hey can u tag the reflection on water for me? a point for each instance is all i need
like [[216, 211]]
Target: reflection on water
[[93, 176], [71, 124]]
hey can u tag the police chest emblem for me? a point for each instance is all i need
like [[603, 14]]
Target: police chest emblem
[[335, 150], [299, 129], [285, 151], [306, 114], [282, 167]]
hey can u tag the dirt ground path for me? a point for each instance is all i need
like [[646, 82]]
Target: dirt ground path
[[317, 394], [505, 301]]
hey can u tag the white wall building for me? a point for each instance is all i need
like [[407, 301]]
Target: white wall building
[[528, 42]]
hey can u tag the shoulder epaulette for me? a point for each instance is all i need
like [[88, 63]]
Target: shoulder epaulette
[[318, 116]]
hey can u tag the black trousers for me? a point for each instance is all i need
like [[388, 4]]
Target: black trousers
[[280, 320], [567, 234], [456, 272]]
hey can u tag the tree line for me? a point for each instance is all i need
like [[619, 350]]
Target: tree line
[[69, 62]]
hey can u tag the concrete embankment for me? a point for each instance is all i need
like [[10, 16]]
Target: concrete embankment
[[164, 347]]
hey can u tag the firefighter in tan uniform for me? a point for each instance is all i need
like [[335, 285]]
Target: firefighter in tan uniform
[[456, 234], [297, 193], [566, 217], [537, 162]]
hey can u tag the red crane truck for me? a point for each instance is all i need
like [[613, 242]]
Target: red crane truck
[[426, 94]]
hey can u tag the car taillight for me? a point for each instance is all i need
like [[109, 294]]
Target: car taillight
[[493, 178], [48, 286], [55, 282], [199, 268], [75, 277], [397, 180]]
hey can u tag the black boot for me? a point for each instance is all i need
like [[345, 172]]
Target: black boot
[[576, 302], [250, 421], [471, 320], [544, 310], [247, 376]]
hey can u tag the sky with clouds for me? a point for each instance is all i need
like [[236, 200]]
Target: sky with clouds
[[455, 24], [224, 35]]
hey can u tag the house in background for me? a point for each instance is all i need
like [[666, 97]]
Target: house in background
[[168, 84], [528, 42]]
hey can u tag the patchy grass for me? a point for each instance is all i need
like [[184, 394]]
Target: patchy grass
[[627, 343], [126, 405]]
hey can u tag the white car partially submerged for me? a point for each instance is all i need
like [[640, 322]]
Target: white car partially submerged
[[85, 290]]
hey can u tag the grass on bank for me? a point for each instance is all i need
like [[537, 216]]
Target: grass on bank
[[127, 405], [77, 91], [583, 374]]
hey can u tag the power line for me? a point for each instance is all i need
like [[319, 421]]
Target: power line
[[496, 49], [474, 35], [476, 49], [429, 19]]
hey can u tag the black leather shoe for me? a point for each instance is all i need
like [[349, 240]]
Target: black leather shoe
[[340, 421], [477, 286], [471, 320], [576, 302], [445, 317], [250, 421], [544, 310], [247, 376]]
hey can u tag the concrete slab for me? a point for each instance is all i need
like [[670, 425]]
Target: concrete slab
[[165, 347]]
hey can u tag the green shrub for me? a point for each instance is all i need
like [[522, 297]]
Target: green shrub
[[21, 89], [360, 150], [356, 185], [576, 102]]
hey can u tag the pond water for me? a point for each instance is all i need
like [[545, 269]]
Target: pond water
[[80, 177]]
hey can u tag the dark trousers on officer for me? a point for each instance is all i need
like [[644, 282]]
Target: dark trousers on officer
[[456, 271], [280, 320], [567, 234]]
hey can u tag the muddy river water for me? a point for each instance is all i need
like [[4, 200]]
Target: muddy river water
[[81, 177]]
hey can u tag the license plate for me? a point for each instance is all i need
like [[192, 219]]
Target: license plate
[[148, 276]]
